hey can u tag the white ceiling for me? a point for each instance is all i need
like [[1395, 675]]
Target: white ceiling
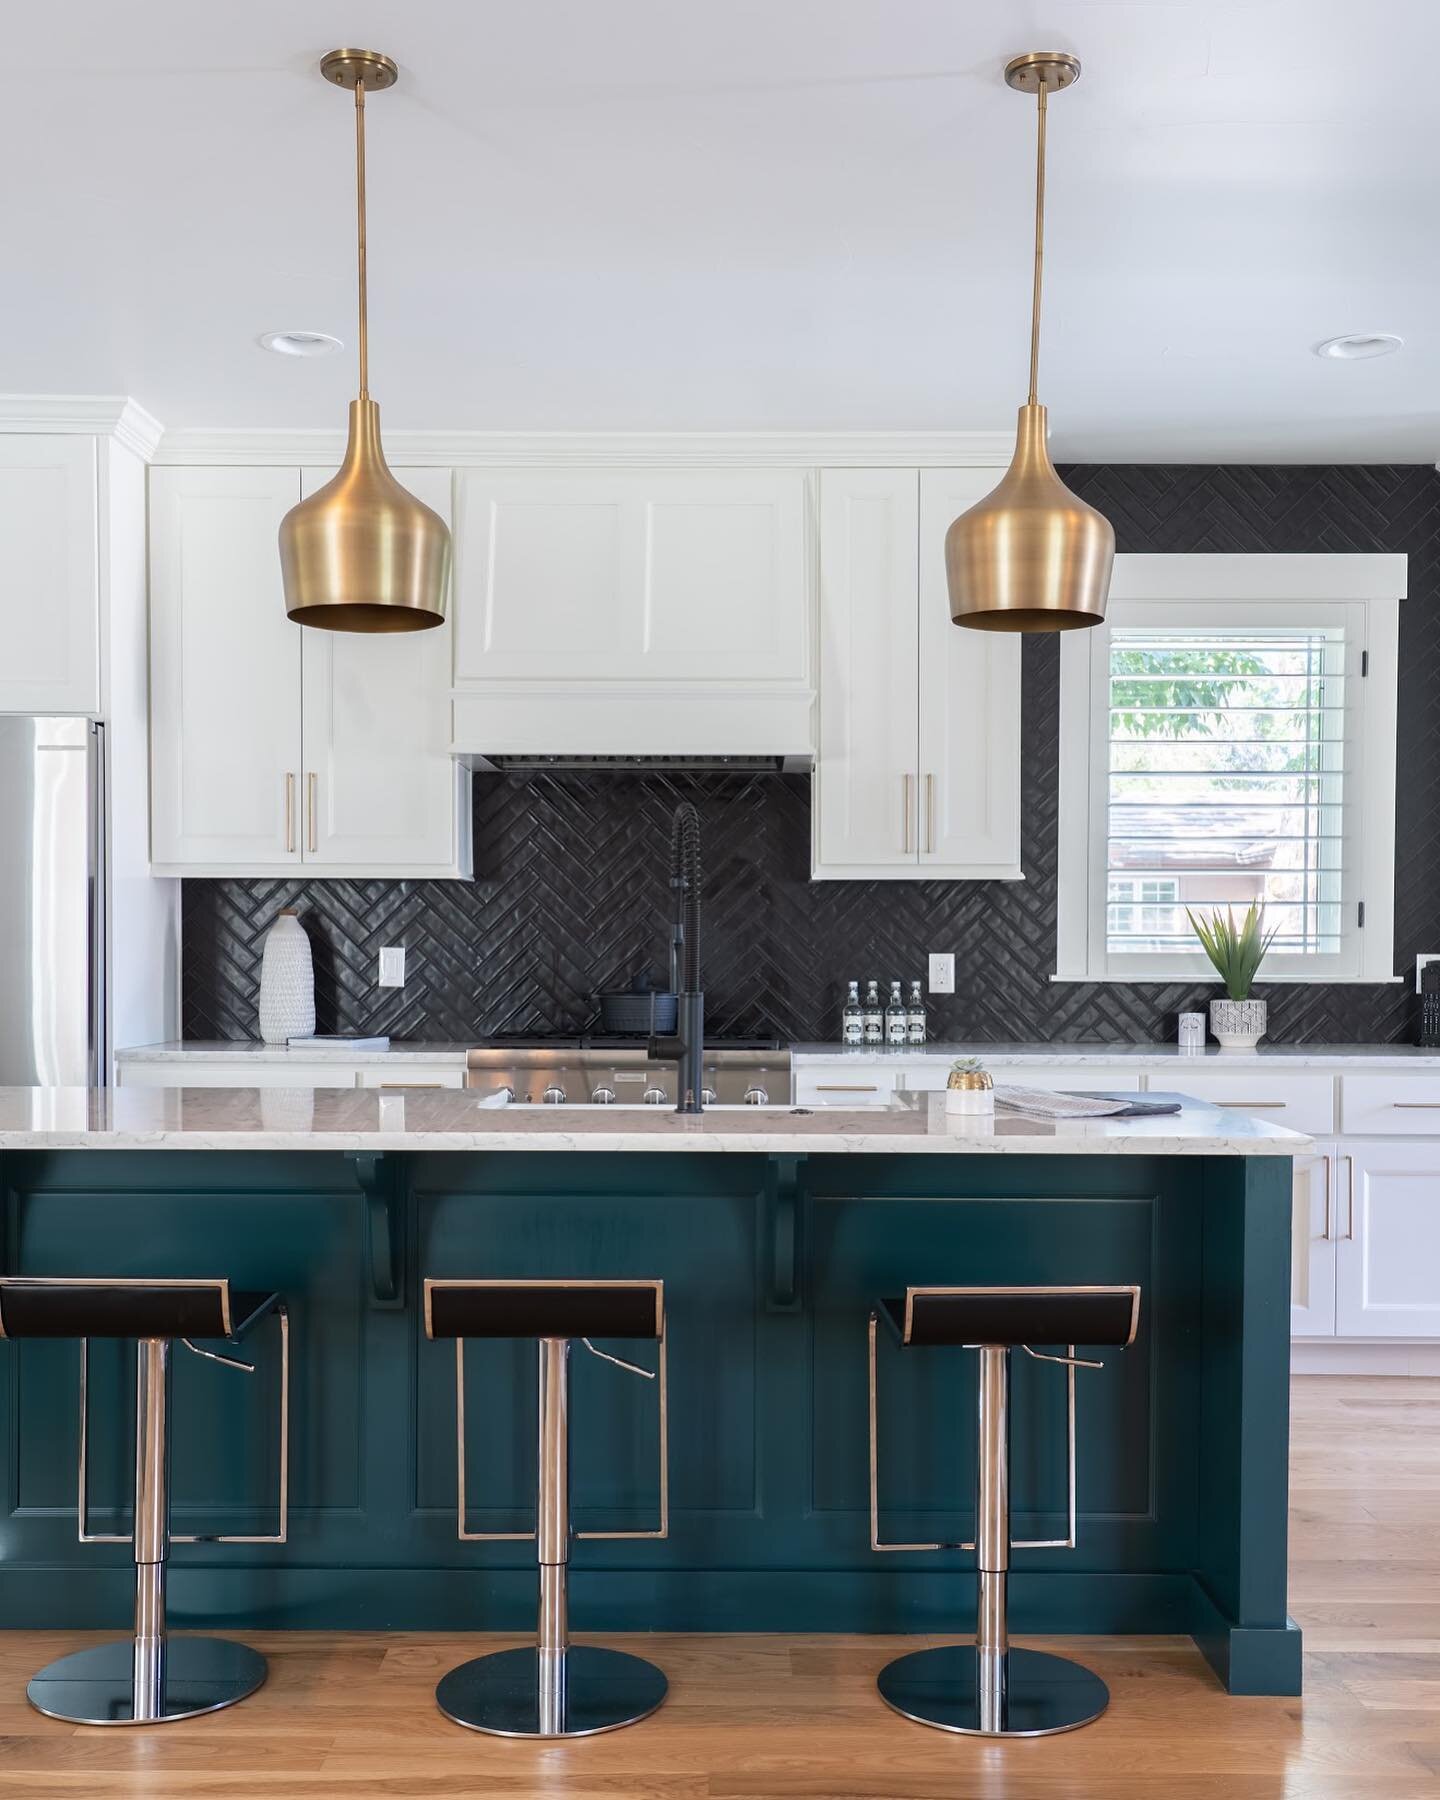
[[768, 214]]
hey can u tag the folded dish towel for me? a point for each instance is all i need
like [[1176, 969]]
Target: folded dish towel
[[1040, 1103]]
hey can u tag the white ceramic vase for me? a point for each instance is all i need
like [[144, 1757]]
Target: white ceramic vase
[[1238, 1024], [287, 982]]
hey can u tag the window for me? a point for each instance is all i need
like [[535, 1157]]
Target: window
[[1227, 737]]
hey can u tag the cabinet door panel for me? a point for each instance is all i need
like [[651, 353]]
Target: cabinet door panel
[[1388, 1197], [1312, 1264], [865, 789], [225, 670], [380, 783], [969, 707], [639, 576], [49, 598]]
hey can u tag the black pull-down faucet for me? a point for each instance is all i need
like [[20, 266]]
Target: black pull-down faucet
[[686, 1047]]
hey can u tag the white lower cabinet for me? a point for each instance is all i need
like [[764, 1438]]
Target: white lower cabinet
[[1313, 1245], [1387, 1206]]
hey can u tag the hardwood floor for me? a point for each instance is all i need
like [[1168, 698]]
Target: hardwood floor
[[765, 1718]]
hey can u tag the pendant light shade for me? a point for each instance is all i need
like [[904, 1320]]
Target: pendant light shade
[[363, 554], [1031, 556]]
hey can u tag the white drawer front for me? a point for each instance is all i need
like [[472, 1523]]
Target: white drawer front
[[844, 1087], [1069, 1078], [240, 1074], [1303, 1102], [412, 1075], [1390, 1105]]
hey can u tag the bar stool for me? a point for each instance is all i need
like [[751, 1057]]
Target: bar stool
[[988, 1689], [153, 1677], [556, 1690]]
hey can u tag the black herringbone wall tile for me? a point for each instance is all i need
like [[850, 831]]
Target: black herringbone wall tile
[[570, 893]]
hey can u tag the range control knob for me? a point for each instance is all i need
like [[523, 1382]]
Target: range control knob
[[603, 1096], [756, 1096], [708, 1096], [655, 1096], [554, 1095]]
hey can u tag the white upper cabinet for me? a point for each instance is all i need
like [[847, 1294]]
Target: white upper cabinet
[[49, 599], [380, 789], [633, 612], [969, 817], [866, 765], [225, 672], [917, 774], [273, 745]]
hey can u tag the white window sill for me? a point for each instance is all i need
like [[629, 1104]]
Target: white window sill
[[1193, 975]]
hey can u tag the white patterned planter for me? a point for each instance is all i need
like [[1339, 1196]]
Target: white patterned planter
[[1238, 1024], [287, 982]]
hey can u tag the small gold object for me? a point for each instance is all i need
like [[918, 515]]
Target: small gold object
[[363, 554], [1031, 556], [970, 1075]]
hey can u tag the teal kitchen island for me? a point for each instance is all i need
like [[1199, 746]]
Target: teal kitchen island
[[775, 1233]]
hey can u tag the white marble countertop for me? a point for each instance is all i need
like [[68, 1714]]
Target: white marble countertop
[[1169, 1056], [370, 1119], [245, 1050], [1328, 1056]]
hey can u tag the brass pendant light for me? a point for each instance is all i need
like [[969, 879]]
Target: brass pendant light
[[362, 554], [1031, 556]]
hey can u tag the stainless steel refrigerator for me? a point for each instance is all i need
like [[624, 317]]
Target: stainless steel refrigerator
[[52, 903]]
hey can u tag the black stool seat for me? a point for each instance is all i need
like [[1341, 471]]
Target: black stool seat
[[563, 1309], [66, 1306], [1014, 1315]]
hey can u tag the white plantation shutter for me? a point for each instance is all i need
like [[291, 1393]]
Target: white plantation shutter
[[1231, 740], [1226, 784]]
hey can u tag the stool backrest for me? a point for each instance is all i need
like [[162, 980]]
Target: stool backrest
[[569, 1309], [1021, 1315], [77, 1306]]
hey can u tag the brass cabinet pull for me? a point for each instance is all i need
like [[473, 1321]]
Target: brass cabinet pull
[[929, 815], [311, 841], [906, 805], [290, 813], [1325, 1158], [1416, 1105], [1350, 1199], [843, 1087]]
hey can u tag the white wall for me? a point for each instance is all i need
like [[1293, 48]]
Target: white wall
[[144, 910]]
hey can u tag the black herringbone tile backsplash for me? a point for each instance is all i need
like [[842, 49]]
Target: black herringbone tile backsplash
[[570, 893]]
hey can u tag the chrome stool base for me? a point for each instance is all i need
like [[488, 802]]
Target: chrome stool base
[[97, 1686], [593, 1690], [1043, 1694]]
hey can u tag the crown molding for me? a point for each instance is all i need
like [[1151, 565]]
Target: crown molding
[[611, 449], [87, 415]]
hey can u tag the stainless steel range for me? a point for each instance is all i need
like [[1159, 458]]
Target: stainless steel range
[[619, 1071]]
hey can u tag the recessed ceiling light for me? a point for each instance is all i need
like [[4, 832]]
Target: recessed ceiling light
[[1359, 346], [300, 343]]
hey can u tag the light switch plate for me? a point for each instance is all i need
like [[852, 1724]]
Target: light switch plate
[[942, 972], [392, 966]]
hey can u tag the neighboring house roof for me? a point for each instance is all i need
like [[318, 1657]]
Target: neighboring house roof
[[1146, 836]]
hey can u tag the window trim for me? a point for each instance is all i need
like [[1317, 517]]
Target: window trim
[[1369, 587]]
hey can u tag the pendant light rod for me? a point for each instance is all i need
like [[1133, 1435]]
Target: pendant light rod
[[1039, 274], [360, 239]]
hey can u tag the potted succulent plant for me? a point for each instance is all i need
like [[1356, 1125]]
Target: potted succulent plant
[[1238, 1022]]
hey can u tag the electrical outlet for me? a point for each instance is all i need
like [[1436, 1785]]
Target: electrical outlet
[[942, 972], [392, 966]]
